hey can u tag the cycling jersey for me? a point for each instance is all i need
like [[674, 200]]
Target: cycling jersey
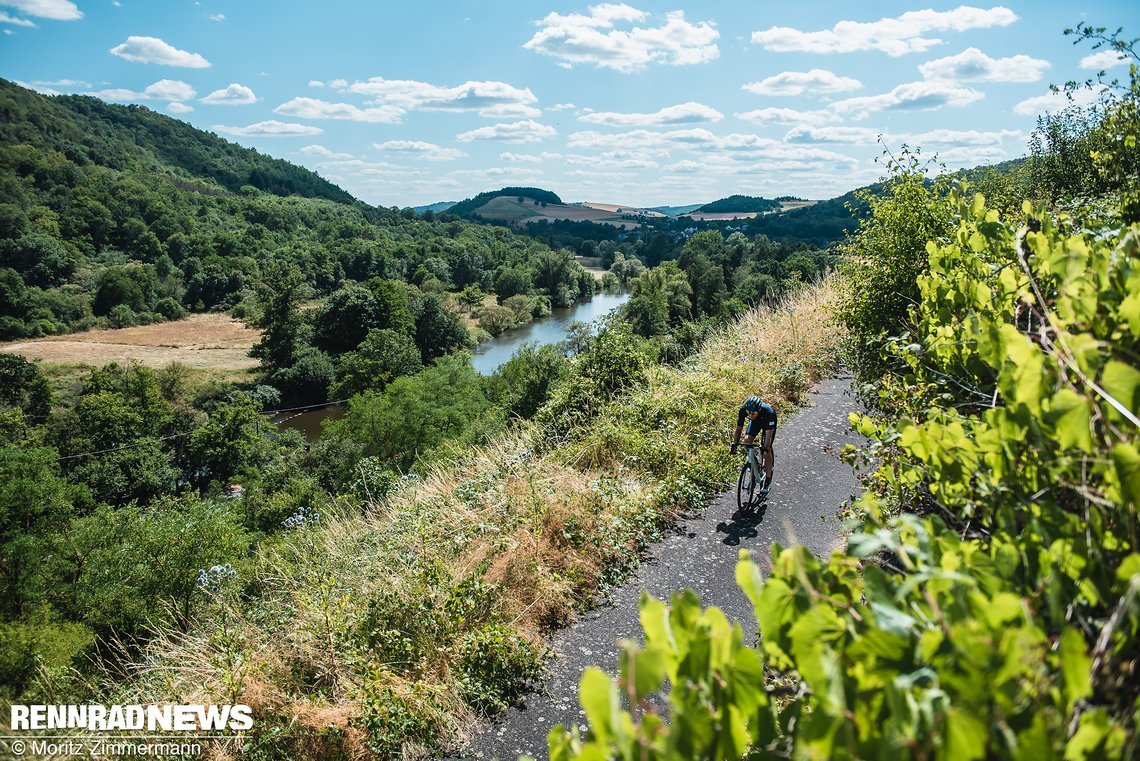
[[765, 421]]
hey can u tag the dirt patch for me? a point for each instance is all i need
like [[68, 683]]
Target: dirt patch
[[204, 341]]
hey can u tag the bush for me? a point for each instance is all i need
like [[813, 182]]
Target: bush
[[496, 319], [122, 316], [170, 309]]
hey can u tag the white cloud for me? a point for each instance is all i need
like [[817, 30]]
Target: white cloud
[[918, 96], [320, 150], [1105, 59], [489, 99], [851, 135], [684, 113], [217, 17], [179, 108], [1055, 102], [521, 158], [972, 155], [727, 152], [562, 106], [6, 19], [592, 39], [785, 116], [893, 36], [429, 151], [314, 108], [498, 173], [370, 168], [271, 128], [64, 83], [615, 160], [55, 10], [526, 131], [316, 83], [154, 50], [966, 137], [234, 95], [799, 82], [163, 89], [972, 65]]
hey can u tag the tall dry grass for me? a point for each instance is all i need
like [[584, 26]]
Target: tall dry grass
[[536, 528]]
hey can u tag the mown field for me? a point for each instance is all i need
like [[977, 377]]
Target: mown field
[[201, 342]]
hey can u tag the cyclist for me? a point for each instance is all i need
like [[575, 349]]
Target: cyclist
[[761, 421]]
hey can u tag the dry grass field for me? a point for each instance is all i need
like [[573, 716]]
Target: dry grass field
[[214, 342]]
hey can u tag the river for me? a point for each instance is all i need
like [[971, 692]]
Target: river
[[490, 354], [487, 356]]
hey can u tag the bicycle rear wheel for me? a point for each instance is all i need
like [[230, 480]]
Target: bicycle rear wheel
[[746, 488]]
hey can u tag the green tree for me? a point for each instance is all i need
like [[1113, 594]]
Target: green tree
[[438, 332], [381, 358], [345, 319], [283, 329], [415, 414], [524, 383]]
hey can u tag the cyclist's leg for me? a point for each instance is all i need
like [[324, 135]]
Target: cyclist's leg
[[769, 456]]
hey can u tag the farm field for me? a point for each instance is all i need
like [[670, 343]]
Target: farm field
[[508, 209], [703, 216], [215, 342]]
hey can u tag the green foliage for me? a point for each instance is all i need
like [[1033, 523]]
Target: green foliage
[[139, 566], [383, 356], [38, 646], [738, 203], [885, 257], [614, 361], [414, 414], [718, 705], [23, 386], [496, 666], [522, 384]]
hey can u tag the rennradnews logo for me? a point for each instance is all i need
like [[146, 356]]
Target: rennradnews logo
[[115, 718]]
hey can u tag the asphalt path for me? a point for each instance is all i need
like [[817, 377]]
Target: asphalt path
[[808, 487]]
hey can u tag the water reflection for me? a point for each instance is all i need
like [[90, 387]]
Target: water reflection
[[490, 354]]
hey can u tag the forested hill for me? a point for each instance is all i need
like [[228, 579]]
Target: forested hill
[[116, 216], [87, 130], [739, 204]]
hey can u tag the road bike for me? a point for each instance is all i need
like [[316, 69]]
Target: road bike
[[751, 481]]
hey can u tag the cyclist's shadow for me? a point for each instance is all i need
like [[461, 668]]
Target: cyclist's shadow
[[743, 523]]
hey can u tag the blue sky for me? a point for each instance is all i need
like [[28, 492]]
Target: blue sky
[[640, 103]]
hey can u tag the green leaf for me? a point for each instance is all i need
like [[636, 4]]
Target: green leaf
[[1122, 383], [1095, 732], [1127, 462], [1075, 666], [750, 580], [1003, 608], [600, 700], [965, 736], [1129, 567], [1071, 417], [650, 667]]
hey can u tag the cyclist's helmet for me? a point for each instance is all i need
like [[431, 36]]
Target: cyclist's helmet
[[752, 404]]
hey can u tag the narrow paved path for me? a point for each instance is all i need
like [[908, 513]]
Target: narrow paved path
[[809, 485]]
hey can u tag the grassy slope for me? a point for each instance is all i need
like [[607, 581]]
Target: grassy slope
[[535, 527]]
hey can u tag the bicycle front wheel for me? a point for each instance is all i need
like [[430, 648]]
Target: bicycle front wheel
[[746, 488]]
